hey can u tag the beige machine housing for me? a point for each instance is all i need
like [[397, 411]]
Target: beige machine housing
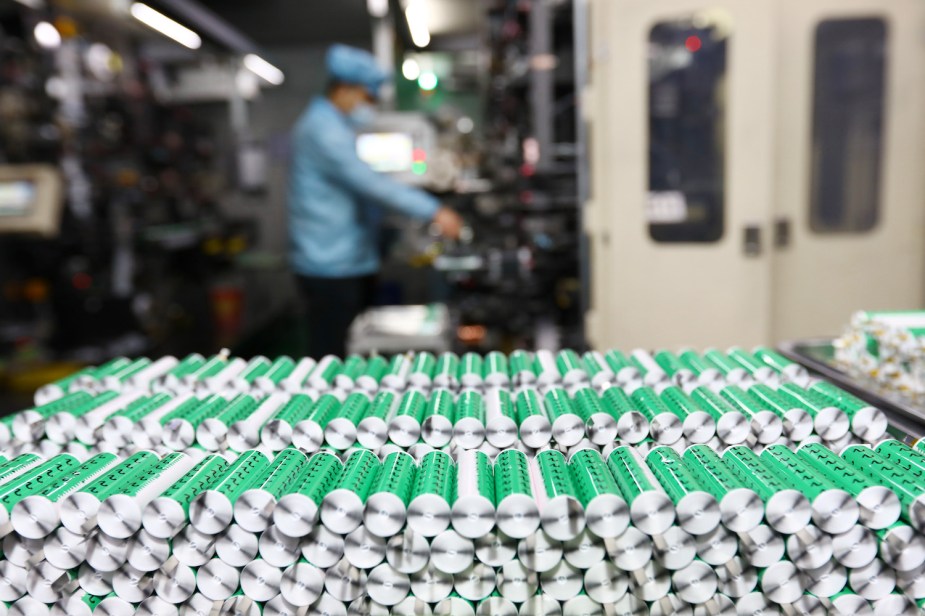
[[772, 274]]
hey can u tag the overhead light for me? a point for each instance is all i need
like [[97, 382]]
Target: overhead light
[[416, 15], [410, 69], [377, 8], [427, 81], [32, 4], [263, 69], [46, 35], [165, 25]]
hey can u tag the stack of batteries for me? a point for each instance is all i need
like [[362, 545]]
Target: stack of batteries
[[525, 484], [886, 350]]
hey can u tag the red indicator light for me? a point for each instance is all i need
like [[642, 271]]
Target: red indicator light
[[419, 155], [693, 43], [81, 281]]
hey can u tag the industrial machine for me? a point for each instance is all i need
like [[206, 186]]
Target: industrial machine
[[755, 167]]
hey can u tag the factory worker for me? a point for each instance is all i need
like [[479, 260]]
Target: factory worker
[[335, 200]]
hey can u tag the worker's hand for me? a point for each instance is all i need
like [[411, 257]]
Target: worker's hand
[[448, 222]]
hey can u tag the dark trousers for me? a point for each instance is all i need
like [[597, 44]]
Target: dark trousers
[[332, 305]]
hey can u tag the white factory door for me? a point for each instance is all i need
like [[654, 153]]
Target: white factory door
[[681, 148], [850, 220]]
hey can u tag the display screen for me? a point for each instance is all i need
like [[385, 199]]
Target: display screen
[[386, 152], [16, 198]]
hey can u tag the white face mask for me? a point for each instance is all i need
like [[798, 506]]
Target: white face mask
[[363, 115]]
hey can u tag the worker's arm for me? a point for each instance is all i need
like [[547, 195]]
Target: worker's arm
[[345, 168]]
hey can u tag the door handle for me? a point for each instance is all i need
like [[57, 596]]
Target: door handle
[[782, 235], [751, 241]]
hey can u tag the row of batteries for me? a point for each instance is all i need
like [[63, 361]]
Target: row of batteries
[[675, 484]]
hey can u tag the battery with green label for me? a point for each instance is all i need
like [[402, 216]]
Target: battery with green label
[[790, 370], [732, 427], [697, 510], [632, 426], [168, 513], [446, 370], [253, 509], [495, 370], [293, 382], [698, 426], [308, 434], [63, 386], [422, 369], [387, 504], [829, 422], [706, 373], [323, 376], [901, 477], [534, 428], [567, 420], [117, 428], [276, 433], [562, 516], [36, 515], [606, 511], [765, 424], [652, 373], [671, 365], [664, 426], [571, 368], [437, 424], [740, 507], [787, 510], [212, 510], [376, 367], [270, 380], [754, 366], [431, 503], [172, 380], [34, 481], [210, 368], [121, 515], [405, 423], [520, 368], [600, 425], [470, 419], [834, 509], [341, 429], [470, 370], [879, 506], [731, 370], [867, 422], [516, 509], [396, 376], [353, 368], [651, 510], [61, 427], [256, 367], [79, 508], [212, 432], [373, 429], [473, 511], [501, 425], [798, 423], [546, 369], [295, 513], [597, 369], [180, 426], [342, 507], [621, 366], [29, 425]]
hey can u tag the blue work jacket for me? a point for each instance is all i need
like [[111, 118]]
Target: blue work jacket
[[334, 198]]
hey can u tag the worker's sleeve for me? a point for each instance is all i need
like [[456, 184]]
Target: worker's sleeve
[[345, 168]]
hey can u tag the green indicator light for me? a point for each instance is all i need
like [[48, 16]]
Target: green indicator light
[[419, 168]]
